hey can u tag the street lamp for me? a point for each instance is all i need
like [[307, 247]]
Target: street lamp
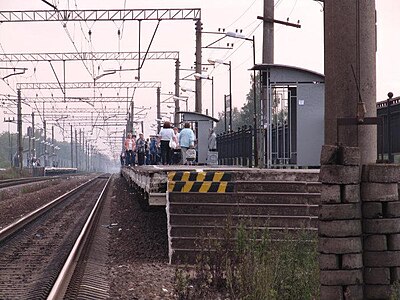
[[182, 98], [237, 35], [207, 77], [220, 61], [183, 89]]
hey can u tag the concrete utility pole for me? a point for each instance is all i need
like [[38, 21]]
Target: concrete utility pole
[[132, 117], [33, 136], [176, 116], [83, 150], [45, 141], [268, 31], [198, 104], [159, 110], [264, 146], [19, 129], [52, 147], [352, 45], [80, 148], [87, 155], [76, 148], [72, 149], [267, 58]]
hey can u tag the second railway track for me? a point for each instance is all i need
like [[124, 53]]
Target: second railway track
[[33, 250]]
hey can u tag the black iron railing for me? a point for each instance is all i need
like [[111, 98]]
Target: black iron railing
[[236, 147]]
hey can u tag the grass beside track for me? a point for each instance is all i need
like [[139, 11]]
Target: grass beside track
[[245, 266]]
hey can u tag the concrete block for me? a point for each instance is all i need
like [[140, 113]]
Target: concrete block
[[375, 292], [341, 277], [336, 174], [328, 155], [353, 292], [330, 193], [331, 292], [349, 156], [377, 275], [381, 226], [384, 173], [375, 243], [393, 241], [382, 259], [392, 210], [372, 210], [351, 193], [339, 245], [372, 191], [340, 228], [328, 261], [349, 211], [352, 261], [394, 274]]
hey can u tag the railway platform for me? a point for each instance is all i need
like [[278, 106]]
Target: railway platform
[[201, 200]]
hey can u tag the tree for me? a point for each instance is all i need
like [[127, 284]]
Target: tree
[[245, 115]]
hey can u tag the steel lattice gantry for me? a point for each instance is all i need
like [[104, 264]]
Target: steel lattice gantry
[[101, 15], [120, 15], [151, 55], [89, 85], [72, 56], [82, 99]]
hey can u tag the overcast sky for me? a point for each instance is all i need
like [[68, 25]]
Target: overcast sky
[[298, 47]]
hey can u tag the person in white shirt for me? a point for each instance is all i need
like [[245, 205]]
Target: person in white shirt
[[166, 134]]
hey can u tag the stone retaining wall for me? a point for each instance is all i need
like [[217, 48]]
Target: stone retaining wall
[[359, 226]]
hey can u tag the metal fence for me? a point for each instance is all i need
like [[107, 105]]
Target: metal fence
[[236, 147], [388, 132]]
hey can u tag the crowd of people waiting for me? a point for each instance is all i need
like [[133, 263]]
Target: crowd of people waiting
[[170, 146]]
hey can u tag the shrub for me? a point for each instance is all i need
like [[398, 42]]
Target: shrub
[[246, 263]]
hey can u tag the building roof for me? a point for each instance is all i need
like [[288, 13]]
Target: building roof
[[198, 114], [262, 67]]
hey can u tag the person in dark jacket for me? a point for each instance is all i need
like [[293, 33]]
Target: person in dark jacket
[[141, 149]]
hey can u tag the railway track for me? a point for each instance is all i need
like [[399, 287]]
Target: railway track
[[18, 181], [40, 250], [13, 182]]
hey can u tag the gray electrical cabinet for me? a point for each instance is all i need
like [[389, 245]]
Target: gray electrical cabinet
[[292, 115]]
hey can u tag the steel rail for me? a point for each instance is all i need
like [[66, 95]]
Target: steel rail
[[63, 279], [17, 225], [14, 182]]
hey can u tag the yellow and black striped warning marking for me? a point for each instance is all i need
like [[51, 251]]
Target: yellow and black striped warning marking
[[199, 176], [200, 186], [200, 182]]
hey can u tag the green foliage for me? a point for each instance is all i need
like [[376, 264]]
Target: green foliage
[[248, 264], [5, 150], [395, 295], [245, 115]]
